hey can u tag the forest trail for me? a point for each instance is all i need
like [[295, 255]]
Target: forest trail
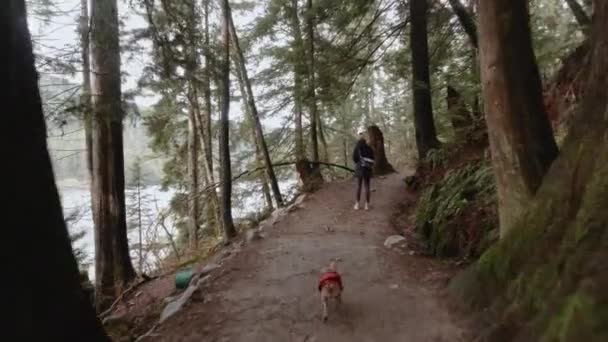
[[268, 291]]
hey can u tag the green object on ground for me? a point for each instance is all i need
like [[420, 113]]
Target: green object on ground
[[182, 278]]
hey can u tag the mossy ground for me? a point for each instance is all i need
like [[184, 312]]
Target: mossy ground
[[546, 280]]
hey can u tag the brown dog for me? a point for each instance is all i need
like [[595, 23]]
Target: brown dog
[[330, 286]]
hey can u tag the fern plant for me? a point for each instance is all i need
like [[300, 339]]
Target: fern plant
[[442, 203]]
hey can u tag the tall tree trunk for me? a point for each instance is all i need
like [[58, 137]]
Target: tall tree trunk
[[206, 83], [85, 45], [426, 137], [520, 134], [60, 311], [466, 21], [193, 195], [325, 154], [297, 108], [312, 97], [255, 117], [579, 13], [139, 221], [192, 66], [113, 266], [258, 151], [207, 170], [225, 168], [299, 71], [205, 123], [309, 173], [345, 128], [86, 82], [558, 245]]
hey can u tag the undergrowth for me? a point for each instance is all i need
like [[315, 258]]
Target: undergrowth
[[456, 214]]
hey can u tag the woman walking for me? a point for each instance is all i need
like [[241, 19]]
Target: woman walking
[[363, 156]]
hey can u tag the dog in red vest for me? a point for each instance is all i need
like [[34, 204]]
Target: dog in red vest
[[330, 286]]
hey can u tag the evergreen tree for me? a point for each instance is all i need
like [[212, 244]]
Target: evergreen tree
[[113, 267], [61, 311]]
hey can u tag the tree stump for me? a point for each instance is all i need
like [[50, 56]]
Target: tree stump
[[310, 175], [376, 141]]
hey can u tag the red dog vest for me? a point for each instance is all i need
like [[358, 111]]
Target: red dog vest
[[330, 277]]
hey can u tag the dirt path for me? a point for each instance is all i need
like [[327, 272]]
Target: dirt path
[[268, 291]]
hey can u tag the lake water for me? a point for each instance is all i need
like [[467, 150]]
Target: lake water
[[247, 200]]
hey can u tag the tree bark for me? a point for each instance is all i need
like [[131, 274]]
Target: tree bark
[[207, 123], [312, 97], [86, 82], [558, 244], [466, 21], [139, 217], [191, 67], [299, 71], [113, 267], [297, 108], [193, 202], [521, 139], [258, 151], [255, 117], [85, 35], [426, 136], [207, 170], [225, 167], [579, 13], [203, 122], [325, 154], [47, 304]]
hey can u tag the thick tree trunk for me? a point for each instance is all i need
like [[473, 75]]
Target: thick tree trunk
[[113, 266], [426, 136], [376, 141], [466, 21], [225, 167], [47, 303], [255, 117], [521, 138], [558, 246]]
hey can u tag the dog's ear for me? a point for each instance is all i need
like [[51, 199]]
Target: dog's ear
[[332, 266]]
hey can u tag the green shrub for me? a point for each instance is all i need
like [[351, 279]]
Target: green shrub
[[444, 207]]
